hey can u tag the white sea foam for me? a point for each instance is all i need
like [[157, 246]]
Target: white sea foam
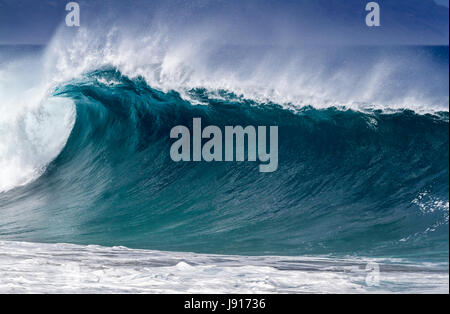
[[34, 126], [65, 268]]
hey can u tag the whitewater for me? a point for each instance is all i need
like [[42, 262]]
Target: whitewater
[[66, 268]]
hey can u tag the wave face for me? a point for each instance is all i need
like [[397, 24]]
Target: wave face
[[371, 182]]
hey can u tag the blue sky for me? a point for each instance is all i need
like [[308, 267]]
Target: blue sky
[[442, 2], [288, 22]]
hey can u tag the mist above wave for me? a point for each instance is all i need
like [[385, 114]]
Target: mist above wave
[[321, 76]]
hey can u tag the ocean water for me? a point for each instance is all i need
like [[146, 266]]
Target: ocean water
[[84, 159]]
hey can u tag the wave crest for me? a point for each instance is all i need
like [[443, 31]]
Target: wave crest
[[173, 59]]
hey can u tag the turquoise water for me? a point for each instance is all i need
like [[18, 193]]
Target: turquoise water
[[349, 182]]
